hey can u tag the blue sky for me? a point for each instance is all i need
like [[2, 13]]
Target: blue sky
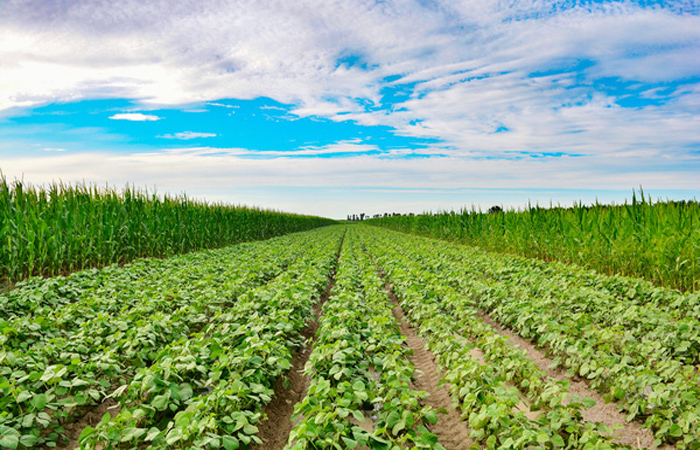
[[340, 107]]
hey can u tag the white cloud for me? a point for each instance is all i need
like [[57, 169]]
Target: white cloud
[[51, 149], [467, 65], [135, 117], [187, 135], [206, 171]]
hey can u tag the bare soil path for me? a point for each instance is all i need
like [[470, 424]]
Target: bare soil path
[[631, 433], [274, 431], [90, 417], [452, 432]]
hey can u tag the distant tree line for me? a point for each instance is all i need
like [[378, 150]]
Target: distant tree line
[[362, 216]]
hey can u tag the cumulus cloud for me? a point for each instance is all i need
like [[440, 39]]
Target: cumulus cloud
[[206, 171], [486, 79], [135, 117]]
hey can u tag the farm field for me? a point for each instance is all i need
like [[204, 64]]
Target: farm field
[[407, 342], [658, 241], [60, 228]]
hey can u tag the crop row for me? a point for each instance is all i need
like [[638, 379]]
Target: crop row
[[113, 329], [360, 393], [635, 365], [658, 241], [493, 392], [58, 228]]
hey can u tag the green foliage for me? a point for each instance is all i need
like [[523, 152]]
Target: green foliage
[[63, 228], [165, 331], [657, 241], [636, 343], [489, 391], [360, 393]]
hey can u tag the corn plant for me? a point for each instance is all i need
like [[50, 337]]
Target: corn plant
[[657, 241], [63, 228]]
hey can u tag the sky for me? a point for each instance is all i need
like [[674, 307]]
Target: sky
[[337, 107]]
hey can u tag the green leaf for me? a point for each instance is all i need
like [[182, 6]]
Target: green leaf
[[675, 430], [429, 438], [431, 416], [250, 429], [9, 441], [23, 396], [38, 401], [28, 440], [400, 425], [588, 402], [349, 442], [230, 442], [86, 433], [160, 402], [152, 433], [185, 392], [393, 419], [557, 440], [542, 437], [619, 393]]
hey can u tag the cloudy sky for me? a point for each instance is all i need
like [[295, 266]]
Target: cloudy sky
[[333, 107]]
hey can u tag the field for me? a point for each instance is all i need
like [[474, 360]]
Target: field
[[657, 241], [404, 342], [62, 228]]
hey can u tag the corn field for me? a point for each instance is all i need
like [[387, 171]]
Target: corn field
[[62, 228], [657, 241]]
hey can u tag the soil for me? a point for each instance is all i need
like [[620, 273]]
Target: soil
[[274, 431], [452, 432], [631, 433], [91, 417]]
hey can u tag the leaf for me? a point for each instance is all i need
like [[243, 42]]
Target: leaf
[[28, 440], [23, 396], [393, 419], [86, 433], [557, 440], [186, 392], [431, 416], [619, 393], [675, 430], [38, 401], [160, 402], [9, 437], [400, 425], [588, 402], [152, 433], [250, 429], [349, 442], [230, 442], [173, 436], [9, 441], [542, 437], [429, 438]]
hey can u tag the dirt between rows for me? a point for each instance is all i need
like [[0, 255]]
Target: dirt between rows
[[452, 432], [90, 418], [631, 433], [456, 432], [274, 431]]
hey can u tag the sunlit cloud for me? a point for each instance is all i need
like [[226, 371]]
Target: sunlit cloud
[[135, 117], [496, 95], [50, 149]]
